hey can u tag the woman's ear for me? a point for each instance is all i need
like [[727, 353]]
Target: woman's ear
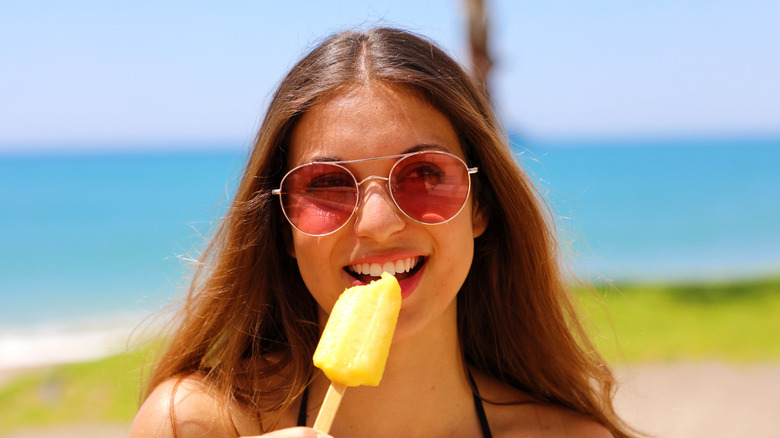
[[479, 220]]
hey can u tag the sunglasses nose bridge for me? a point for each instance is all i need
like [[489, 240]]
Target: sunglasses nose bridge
[[361, 190], [383, 178]]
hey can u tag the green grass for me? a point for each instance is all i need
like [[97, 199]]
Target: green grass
[[736, 321], [104, 391], [730, 321]]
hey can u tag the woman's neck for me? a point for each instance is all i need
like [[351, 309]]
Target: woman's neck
[[424, 391]]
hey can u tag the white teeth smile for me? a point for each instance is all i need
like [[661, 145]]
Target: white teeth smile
[[392, 268]]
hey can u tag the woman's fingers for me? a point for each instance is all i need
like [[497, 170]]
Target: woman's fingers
[[294, 432]]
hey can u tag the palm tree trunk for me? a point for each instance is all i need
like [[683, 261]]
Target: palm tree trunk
[[479, 26]]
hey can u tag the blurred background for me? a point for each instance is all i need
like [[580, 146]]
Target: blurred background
[[652, 129]]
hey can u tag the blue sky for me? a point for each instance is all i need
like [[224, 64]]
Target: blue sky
[[97, 75]]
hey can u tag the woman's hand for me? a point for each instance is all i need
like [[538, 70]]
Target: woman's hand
[[294, 432]]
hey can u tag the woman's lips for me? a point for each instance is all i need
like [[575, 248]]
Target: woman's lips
[[409, 284], [407, 274], [373, 271]]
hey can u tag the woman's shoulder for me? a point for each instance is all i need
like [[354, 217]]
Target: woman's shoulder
[[513, 413], [543, 420], [190, 407]]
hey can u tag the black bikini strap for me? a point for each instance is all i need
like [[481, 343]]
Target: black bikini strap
[[302, 409], [483, 423]]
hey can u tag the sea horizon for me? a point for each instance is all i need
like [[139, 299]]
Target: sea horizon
[[100, 236]]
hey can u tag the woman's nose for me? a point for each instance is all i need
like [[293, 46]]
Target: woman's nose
[[378, 218]]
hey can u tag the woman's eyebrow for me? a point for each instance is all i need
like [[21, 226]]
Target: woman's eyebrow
[[425, 147], [416, 148], [324, 159]]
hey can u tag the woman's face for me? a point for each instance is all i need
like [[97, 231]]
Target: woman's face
[[371, 121]]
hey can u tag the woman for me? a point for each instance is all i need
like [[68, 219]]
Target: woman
[[487, 342]]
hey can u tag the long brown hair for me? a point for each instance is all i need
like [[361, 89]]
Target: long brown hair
[[248, 303]]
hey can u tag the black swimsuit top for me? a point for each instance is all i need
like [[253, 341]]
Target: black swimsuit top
[[483, 423]]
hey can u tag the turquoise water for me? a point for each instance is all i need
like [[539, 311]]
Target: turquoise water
[[85, 235], [666, 210], [103, 234]]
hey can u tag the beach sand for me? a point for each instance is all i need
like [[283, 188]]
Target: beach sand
[[74, 431], [674, 400], [709, 399]]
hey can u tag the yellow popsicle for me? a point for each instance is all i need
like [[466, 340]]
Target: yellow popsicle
[[356, 340]]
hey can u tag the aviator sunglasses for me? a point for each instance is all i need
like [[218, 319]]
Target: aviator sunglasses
[[430, 187]]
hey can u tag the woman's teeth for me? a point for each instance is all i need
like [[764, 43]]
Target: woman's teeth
[[392, 268]]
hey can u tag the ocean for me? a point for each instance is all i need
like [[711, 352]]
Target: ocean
[[97, 242], [664, 210]]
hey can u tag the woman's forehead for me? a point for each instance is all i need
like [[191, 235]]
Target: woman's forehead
[[369, 121]]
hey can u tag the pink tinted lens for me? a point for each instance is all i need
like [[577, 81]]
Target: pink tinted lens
[[430, 187], [319, 198]]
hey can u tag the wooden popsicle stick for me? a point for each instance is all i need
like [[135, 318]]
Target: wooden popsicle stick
[[329, 407]]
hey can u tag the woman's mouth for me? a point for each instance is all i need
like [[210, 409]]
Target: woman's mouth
[[402, 269]]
